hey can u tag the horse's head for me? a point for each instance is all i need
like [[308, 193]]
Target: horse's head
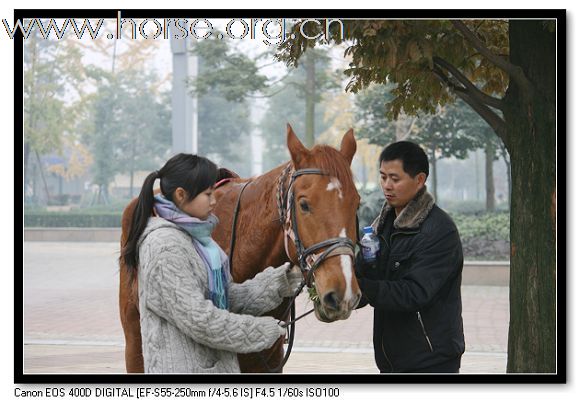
[[325, 202]]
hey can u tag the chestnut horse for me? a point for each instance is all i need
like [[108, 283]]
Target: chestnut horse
[[325, 203]]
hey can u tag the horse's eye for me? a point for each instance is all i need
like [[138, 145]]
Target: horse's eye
[[304, 206]]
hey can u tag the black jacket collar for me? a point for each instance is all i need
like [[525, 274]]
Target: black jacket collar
[[412, 216]]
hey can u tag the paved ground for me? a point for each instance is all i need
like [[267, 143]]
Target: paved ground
[[71, 322]]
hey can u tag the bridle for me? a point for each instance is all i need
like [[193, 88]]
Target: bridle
[[308, 258]]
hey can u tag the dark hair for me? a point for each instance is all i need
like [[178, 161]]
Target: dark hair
[[191, 172], [412, 156]]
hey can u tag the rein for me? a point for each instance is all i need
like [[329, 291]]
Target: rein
[[234, 225]]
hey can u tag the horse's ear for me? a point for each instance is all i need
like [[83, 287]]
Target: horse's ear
[[348, 145], [297, 151]]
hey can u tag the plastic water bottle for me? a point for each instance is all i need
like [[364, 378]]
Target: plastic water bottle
[[369, 245]]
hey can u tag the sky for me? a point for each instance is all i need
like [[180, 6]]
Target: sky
[[448, 393]]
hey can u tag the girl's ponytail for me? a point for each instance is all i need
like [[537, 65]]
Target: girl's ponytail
[[141, 215]]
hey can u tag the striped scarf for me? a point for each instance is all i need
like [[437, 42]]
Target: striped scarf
[[216, 261]]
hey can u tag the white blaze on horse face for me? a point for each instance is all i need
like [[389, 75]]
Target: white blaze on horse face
[[346, 264], [335, 185]]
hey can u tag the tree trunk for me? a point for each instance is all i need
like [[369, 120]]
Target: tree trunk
[[434, 173], [508, 167], [31, 115], [131, 184], [489, 185], [42, 177], [25, 157], [508, 170], [310, 66], [477, 189], [531, 143]]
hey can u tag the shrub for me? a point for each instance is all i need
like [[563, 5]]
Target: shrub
[[488, 226], [72, 219], [370, 206]]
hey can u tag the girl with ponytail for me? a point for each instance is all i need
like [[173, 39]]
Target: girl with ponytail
[[194, 318]]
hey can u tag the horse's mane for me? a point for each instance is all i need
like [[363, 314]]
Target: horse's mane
[[333, 163]]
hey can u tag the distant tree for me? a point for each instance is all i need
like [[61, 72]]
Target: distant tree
[[286, 106], [52, 72], [127, 128], [143, 136], [223, 132], [492, 146], [224, 116], [100, 128], [235, 76], [311, 79], [444, 134], [225, 71]]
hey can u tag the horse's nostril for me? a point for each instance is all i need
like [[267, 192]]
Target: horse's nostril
[[331, 301]]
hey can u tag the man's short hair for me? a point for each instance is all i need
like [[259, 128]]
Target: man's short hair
[[412, 156]]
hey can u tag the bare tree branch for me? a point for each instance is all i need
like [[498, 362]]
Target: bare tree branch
[[496, 122], [270, 95], [280, 79], [410, 130], [472, 89], [513, 70]]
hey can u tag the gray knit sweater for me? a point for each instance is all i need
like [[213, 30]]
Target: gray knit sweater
[[182, 331]]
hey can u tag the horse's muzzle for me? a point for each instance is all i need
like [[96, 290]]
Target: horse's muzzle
[[332, 307]]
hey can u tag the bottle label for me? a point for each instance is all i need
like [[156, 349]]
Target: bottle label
[[370, 252]]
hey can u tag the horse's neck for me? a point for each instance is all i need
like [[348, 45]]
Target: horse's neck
[[265, 195], [261, 237]]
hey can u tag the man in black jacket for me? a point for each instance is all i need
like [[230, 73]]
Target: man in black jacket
[[415, 283]]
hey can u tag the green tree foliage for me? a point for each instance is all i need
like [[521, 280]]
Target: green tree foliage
[[286, 106], [505, 70], [370, 115], [450, 132], [127, 127], [416, 56], [234, 76], [143, 138], [223, 112], [296, 96], [311, 79], [231, 74]]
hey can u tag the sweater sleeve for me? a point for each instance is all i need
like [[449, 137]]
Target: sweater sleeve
[[432, 266], [175, 294], [260, 294]]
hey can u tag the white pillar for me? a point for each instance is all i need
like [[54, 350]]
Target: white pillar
[[183, 105]]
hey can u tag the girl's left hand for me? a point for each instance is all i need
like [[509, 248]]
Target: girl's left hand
[[295, 279]]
